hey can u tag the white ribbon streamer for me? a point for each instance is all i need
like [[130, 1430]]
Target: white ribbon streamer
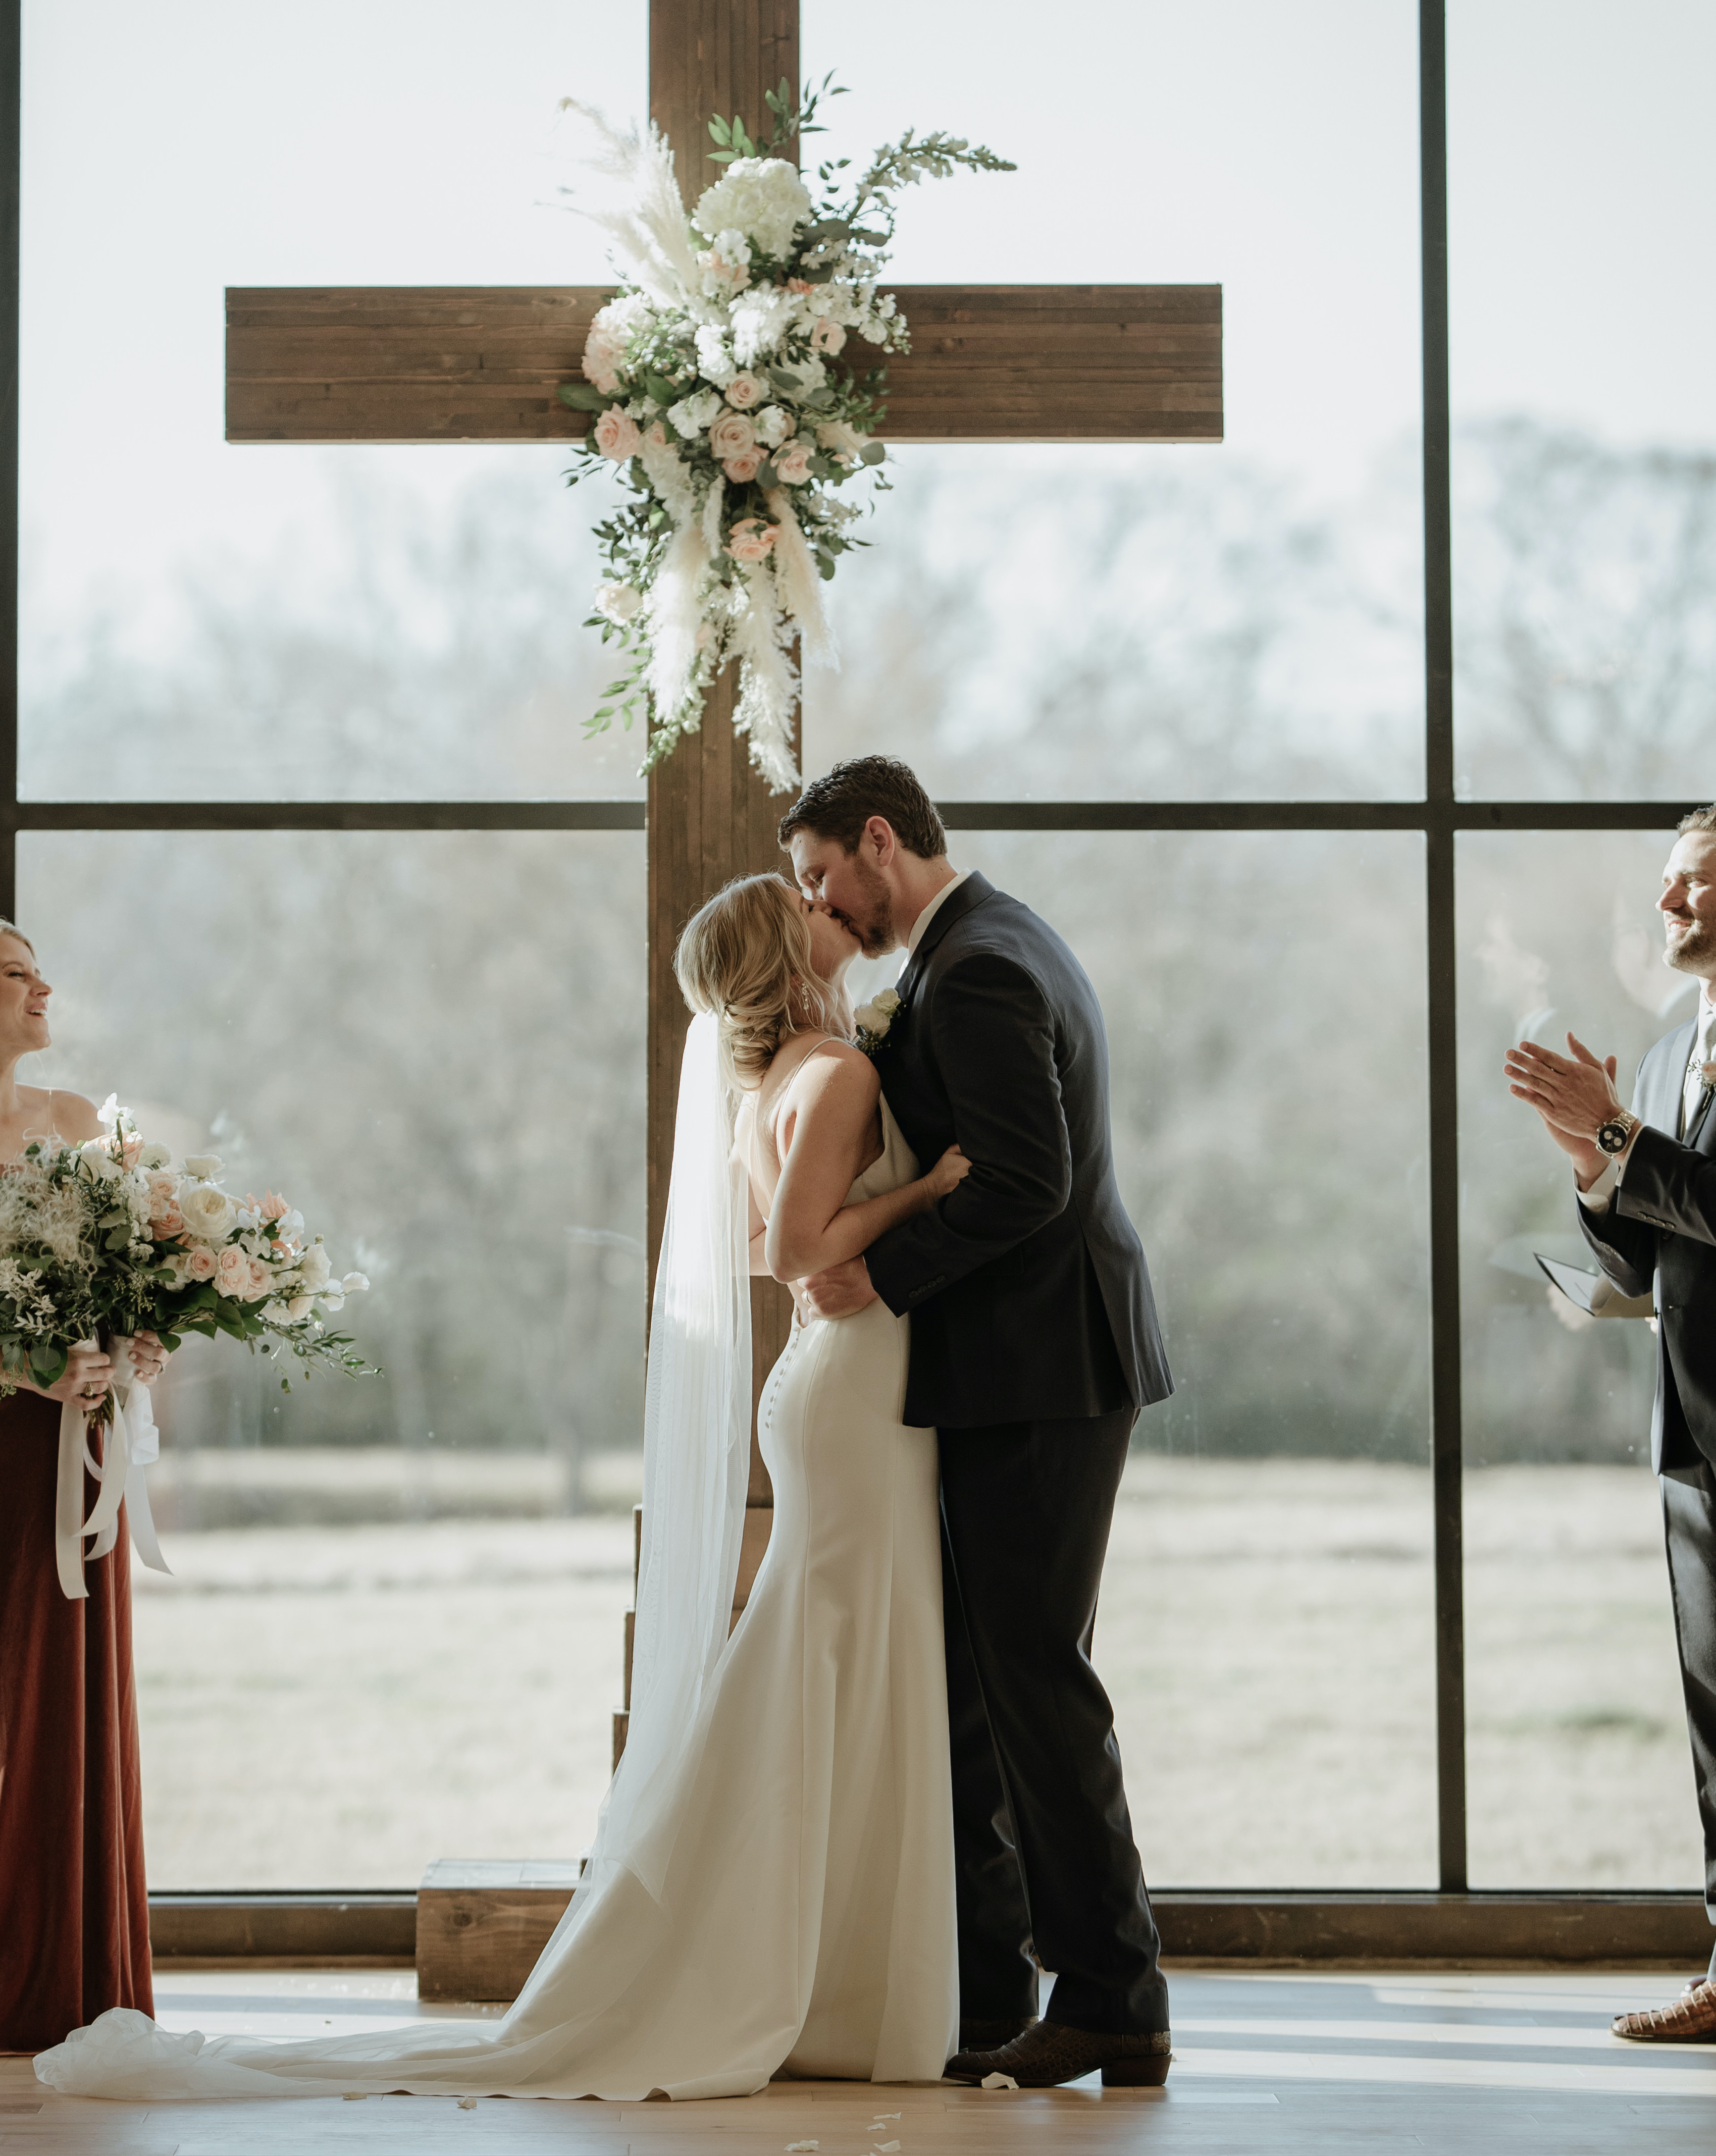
[[133, 1443]]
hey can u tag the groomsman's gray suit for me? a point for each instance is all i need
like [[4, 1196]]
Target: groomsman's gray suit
[[1660, 1226]]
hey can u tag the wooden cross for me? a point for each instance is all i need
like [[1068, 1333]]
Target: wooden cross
[[988, 363]]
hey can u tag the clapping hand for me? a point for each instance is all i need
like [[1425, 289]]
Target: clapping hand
[[1575, 1096]]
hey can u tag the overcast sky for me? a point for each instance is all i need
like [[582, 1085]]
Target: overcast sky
[[1268, 144]]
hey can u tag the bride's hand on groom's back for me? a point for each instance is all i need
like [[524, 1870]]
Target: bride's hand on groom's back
[[836, 1293]]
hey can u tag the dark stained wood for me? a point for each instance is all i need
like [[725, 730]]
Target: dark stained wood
[[994, 362]]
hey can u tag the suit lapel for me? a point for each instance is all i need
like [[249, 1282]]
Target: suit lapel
[[975, 888], [1660, 1105]]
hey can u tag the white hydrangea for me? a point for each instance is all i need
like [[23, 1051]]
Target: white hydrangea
[[772, 425], [763, 197], [760, 321], [715, 359], [692, 415]]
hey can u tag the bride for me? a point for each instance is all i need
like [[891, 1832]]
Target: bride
[[771, 1888]]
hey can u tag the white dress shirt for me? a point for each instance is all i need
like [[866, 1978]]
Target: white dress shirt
[[915, 936], [1601, 1193]]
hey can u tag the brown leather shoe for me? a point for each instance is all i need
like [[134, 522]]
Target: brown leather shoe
[[1691, 2020], [991, 2036], [1049, 2053]]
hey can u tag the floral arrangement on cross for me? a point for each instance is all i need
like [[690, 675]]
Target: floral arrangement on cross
[[719, 392]]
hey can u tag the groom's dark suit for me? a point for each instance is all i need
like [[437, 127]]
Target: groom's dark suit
[[1034, 1345], [1660, 1226]]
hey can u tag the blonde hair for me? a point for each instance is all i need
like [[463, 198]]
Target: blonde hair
[[10, 928], [746, 956]]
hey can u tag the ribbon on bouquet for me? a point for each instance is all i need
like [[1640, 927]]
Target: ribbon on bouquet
[[133, 1444]]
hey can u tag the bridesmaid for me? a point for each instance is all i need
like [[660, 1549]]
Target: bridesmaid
[[73, 1910]]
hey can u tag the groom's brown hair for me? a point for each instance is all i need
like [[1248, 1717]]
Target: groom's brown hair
[[840, 804]]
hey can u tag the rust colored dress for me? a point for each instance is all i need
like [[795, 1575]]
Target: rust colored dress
[[73, 1909]]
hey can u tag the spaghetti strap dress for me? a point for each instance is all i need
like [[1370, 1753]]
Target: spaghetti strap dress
[[74, 1909]]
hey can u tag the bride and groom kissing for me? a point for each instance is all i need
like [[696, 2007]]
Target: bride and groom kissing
[[842, 1841]]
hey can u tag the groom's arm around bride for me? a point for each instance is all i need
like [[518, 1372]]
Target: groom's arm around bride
[[1034, 1343]]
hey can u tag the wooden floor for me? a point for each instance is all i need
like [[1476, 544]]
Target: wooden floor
[[1338, 2063]]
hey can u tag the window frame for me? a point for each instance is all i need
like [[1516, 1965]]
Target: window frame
[[1439, 816]]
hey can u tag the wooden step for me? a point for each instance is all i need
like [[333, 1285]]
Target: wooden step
[[482, 1921]]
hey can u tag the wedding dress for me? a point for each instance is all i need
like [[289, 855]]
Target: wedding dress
[[771, 1888]]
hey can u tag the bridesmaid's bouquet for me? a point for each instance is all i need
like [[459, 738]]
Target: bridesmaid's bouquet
[[114, 1237]]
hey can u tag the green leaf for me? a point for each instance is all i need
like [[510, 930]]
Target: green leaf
[[661, 389], [581, 396], [872, 453]]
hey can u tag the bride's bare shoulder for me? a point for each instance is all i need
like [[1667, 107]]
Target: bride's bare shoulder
[[59, 1114]]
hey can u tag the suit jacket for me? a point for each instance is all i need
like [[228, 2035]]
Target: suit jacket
[[1028, 1290], [1661, 1226]]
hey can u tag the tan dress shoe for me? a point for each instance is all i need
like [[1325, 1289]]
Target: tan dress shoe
[[1691, 2020]]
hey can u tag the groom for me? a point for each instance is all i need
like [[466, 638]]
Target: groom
[[1034, 1345]]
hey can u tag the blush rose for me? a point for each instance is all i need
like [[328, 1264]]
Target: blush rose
[[617, 435], [751, 540], [730, 436]]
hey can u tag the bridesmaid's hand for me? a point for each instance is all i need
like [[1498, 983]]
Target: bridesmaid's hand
[[148, 1357], [88, 1374]]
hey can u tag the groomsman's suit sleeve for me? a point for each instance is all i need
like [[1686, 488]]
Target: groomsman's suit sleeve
[[993, 1036], [1669, 1185], [1624, 1244]]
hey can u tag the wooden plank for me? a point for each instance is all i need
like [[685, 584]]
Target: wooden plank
[[481, 1923], [1001, 363]]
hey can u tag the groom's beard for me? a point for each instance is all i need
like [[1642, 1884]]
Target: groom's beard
[[872, 921], [1687, 954]]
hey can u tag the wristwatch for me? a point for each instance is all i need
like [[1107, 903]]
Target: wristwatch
[[1616, 1134]]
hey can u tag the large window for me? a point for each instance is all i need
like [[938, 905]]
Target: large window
[[1340, 752]]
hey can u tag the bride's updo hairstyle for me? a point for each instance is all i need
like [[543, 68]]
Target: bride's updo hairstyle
[[746, 956]]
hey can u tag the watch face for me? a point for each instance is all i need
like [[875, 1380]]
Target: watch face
[[1612, 1137]]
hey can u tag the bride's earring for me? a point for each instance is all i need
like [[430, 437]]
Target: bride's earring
[[805, 999]]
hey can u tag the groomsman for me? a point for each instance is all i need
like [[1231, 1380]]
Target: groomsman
[[1647, 1184]]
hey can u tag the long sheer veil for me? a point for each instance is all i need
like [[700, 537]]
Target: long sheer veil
[[696, 1468]]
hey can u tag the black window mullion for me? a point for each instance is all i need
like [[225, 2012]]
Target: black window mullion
[[1439, 945]]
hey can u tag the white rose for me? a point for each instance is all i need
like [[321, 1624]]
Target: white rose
[[208, 1213], [155, 1155], [772, 425], [887, 1002], [98, 1161], [618, 603], [202, 1164], [693, 414]]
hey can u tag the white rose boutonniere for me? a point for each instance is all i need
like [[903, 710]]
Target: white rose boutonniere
[[874, 1019]]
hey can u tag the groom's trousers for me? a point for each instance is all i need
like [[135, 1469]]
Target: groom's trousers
[[1044, 1855]]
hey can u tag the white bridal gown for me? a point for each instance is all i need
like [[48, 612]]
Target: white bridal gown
[[804, 1924]]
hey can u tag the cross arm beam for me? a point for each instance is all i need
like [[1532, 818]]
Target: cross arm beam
[[994, 362]]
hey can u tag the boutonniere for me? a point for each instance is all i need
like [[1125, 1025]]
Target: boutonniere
[[1708, 1072], [874, 1019]]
